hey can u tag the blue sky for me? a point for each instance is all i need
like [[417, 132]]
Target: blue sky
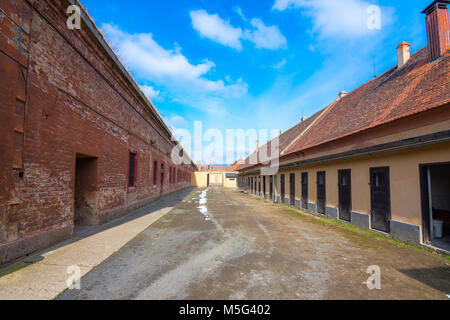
[[253, 64]]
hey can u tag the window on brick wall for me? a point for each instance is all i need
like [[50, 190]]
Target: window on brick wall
[[132, 170], [150, 170], [155, 172]]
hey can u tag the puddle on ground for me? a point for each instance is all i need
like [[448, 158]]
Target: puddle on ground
[[202, 202]]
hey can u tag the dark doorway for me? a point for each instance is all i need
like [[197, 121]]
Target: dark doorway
[[264, 186], [282, 187], [132, 170], [321, 193], [435, 190], [275, 186], [259, 185], [380, 199], [271, 187], [162, 177], [155, 173], [305, 190], [292, 189], [85, 195], [345, 195]]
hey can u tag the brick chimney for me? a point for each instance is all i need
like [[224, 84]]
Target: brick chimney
[[438, 30], [403, 54]]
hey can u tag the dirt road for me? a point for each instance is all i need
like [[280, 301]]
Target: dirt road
[[220, 244]]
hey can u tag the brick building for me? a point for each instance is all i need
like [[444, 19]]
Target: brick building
[[79, 141], [378, 157]]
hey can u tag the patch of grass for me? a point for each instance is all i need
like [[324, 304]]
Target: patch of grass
[[12, 268], [192, 193], [326, 221]]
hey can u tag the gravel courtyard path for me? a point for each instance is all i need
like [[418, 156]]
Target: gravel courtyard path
[[222, 244]]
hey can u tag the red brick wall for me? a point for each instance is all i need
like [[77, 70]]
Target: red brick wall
[[61, 95]]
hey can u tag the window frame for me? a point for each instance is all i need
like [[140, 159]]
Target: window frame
[[133, 174], [155, 173]]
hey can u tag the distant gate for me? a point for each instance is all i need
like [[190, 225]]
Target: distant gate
[[215, 180]]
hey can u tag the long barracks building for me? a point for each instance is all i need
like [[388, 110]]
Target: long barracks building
[[79, 141], [379, 157]]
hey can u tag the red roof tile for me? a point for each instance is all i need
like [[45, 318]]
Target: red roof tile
[[398, 93], [284, 140]]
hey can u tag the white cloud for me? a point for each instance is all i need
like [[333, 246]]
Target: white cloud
[[265, 37], [177, 122], [169, 67], [151, 92], [333, 18], [141, 51], [213, 27], [282, 5], [240, 13], [280, 65]]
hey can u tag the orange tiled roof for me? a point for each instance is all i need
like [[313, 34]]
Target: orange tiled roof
[[284, 141], [216, 168], [398, 93], [236, 165]]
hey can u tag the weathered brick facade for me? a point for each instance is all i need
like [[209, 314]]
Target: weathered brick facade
[[69, 118]]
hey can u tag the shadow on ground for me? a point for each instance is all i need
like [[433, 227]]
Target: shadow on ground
[[436, 278], [87, 231]]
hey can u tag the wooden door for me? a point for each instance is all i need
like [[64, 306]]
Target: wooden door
[[292, 189], [259, 185], [345, 195], [380, 199], [305, 190], [264, 186], [321, 192], [271, 187]]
